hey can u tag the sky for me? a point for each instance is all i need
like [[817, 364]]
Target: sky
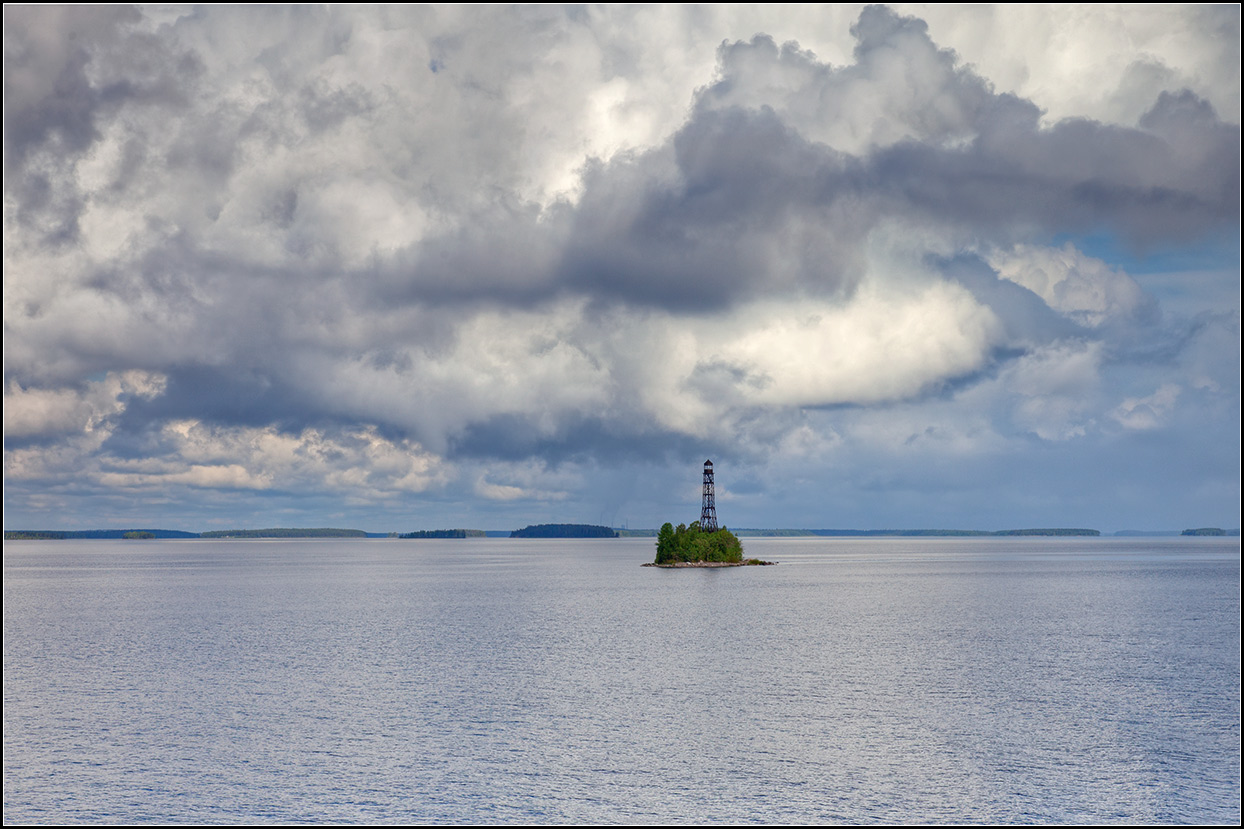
[[430, 267]]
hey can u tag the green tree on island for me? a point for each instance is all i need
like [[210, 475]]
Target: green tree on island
[[689, 543]]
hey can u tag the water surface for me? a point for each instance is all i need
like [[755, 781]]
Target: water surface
[[494, 680]]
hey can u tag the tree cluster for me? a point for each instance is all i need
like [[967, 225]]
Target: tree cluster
[[285, 532], [689, 543], [94, 534]]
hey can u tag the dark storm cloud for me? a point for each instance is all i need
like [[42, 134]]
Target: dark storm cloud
[[958, 151], [66, 72], [738, 205], [1077, 176], [48, 96], [740, 202], [515, 438], [230, 396], [505, 254]]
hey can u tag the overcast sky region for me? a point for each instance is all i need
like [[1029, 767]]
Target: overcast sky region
[[427, 267]]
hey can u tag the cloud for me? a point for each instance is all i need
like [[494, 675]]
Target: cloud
[[900, 87], [1054, 390], [881, 346], [426, 238], [47, 412], [1104, 63], [1081, 287], [1147, 412], [201, 456], [756, 192], [525, 481]]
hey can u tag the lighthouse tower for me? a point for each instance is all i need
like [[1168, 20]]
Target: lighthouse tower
[[708, 511]]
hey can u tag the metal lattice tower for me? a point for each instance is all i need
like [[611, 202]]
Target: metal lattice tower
[[708, 512]]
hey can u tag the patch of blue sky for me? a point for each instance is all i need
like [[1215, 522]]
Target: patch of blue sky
[[1216, 252]]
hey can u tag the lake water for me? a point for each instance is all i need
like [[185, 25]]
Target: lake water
[[492, 680]]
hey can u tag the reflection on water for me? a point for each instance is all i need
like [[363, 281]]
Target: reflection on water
[[495, 680]]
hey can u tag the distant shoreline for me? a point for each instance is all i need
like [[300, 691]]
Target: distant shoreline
[[1036, 531], [326, 532]]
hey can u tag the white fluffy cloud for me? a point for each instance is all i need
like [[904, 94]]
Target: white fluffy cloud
[[1147, 412], [191, 454], [1082, 287], [75, 411]]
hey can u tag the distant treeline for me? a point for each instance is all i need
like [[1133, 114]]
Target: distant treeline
[[564, 531], [285, 532], [915, 533], [573, 531], [1057, 531], [14, 535]]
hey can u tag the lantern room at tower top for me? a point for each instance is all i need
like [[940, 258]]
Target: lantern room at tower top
[[708, 506]]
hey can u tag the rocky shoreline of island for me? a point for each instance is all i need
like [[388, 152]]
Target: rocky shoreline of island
[[751, 562]]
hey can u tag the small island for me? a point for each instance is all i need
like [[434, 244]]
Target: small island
[[689, 546], [702, 544], [1210, 531]]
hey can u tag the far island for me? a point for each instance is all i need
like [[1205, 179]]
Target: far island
[[564, 531], [1212, 531], [285, 532]]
